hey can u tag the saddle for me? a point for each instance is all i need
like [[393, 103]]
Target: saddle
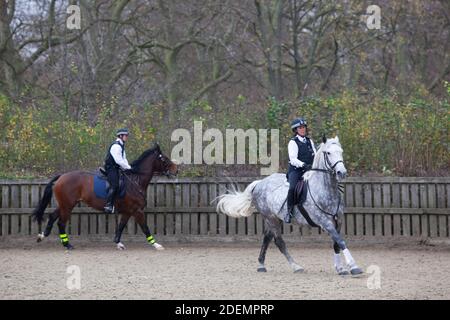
[[101, 184]]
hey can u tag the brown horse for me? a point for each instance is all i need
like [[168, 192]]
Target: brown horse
[[75, 186]]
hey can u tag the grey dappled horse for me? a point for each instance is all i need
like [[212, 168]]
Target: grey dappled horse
[[322, 203]]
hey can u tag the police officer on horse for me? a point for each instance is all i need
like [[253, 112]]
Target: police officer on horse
[[116, 159], [301, 156]]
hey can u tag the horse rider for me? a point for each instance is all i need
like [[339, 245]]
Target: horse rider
[[115, 160], [301, 156]]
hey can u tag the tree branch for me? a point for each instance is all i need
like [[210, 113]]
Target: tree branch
[[212, 84]]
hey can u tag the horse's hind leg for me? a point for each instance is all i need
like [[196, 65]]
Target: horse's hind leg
[[62, 231], [282, 246], [66, 199], [268, 236], [48, 229]]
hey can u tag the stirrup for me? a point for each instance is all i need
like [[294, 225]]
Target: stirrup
[[289, 215], [288, 218], [108, 209]]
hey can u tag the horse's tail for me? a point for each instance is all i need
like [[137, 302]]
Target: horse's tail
[[237, 204], [38, 212]]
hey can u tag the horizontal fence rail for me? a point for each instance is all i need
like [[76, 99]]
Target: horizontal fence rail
[[179, 208]]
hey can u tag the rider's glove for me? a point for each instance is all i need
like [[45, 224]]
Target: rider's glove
[[131, 170], [297, 163]]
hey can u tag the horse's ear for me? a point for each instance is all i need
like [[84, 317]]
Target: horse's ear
[[324, 139], [336, 138], [157, 146]]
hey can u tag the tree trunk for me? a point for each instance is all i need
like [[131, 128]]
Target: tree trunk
[[11, 63]]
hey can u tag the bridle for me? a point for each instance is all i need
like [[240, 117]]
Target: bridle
[[328, 165], [329, 168], [166, 163], [138, 188]]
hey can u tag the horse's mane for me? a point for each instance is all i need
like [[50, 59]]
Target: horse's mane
[[136, 163], [317, 159], [319, 155]]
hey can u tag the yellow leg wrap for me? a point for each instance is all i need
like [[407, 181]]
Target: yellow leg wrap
[[151, 240], [64, 238]]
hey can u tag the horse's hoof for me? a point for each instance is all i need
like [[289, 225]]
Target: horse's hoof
[[299, 270], [342, 271], [356, 271], [120, 246], [261, 269], [40, 237], [69, 246], [157, 246]]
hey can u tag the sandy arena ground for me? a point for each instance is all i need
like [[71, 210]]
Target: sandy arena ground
[[202, 271]]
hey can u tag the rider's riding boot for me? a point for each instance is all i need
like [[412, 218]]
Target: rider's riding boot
[[290, 206], [110, 201]]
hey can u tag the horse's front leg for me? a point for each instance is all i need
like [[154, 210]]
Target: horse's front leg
[[340, 244], [139, 216], [122, 224], [337, 261], [339, 265]]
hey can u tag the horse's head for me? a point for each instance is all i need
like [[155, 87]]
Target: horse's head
[[163, 164], [332, 155], [154, 161]]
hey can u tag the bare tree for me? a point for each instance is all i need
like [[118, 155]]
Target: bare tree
[[22, 42]]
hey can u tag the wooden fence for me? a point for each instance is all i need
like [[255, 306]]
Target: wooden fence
[[181, 209]]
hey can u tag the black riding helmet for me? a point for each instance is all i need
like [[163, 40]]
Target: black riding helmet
[[122, 131], [298, 123]]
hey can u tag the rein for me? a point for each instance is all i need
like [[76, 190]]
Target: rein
[[138, 187], [330, 170], [318, 207], [141, 193]]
